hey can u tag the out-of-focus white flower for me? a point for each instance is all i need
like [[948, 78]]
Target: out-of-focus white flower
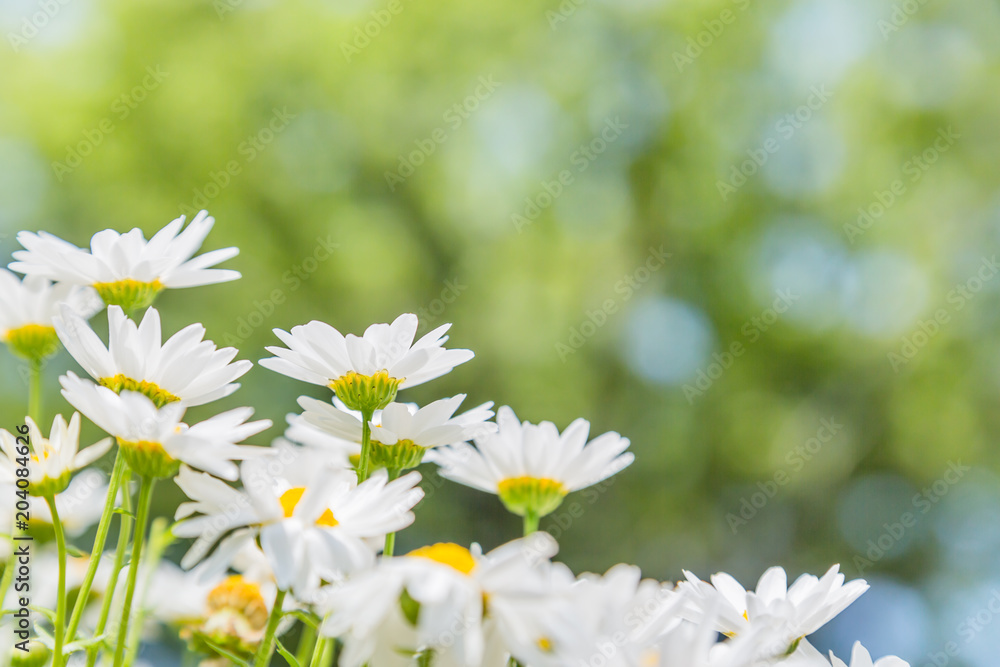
[[532, 467], [807, 656], [339, 452], [28, 307], [53, 460], [794, 612], [469, 608], [126, 269], [625, 614], [314, 522], [185, 368], [364, 371], [155, 442], [401, 433]]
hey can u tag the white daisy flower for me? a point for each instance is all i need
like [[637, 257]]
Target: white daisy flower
[[185, 368], [155, 441], [625, 614], [794, 612], [314, 522], [532, 467], [53, 460], [401, 433], [126, 269], [860, 657], [467, 607], [697, 645], [28, 307], [364, 371], [339, 452], [80, 505]]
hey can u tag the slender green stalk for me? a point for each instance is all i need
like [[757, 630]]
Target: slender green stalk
[[267, 644], [319, 651], [159, 540], [142, 518], [366, 444], [390, 538], [530, 522], [60, 624], [35, 392], [98, 550], [124, 533], [306, 643], [8, 573]]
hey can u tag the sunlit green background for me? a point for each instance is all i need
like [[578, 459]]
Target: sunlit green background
[[286, 121]]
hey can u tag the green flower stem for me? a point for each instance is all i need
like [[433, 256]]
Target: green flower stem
[[390, 539], [98, 550], [530, 522], [306, 643], [159, 539], [60, 624], [366, 444], [8, 572], [124, 533], [142, 518], [35, 392], [267, 644], [319, 652]]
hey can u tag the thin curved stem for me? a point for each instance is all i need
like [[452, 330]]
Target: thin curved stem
[[142, 518], [318, 652], [35, 392], [117, 474], [124, 533], [267, 644], [366, 444], [390, 538], [60, 624], [530, 522]]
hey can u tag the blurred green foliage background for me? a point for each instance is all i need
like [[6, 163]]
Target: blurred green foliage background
[[517, 168]]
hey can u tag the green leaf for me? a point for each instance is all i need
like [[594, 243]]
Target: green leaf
[[47, 613], [84, 644], [284, 652], [123, 512], [311, 620], [76, 553], [235, 659]]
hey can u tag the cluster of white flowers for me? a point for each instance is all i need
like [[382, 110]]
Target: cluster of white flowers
[[292, 545]]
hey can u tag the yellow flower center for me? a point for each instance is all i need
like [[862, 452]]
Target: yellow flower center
[[447, 553], [238, 595], [537, 495], [32, 341], [128, 293], [366, 393], [151, 390], [290, 498], [545, 644], [148, 458]]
